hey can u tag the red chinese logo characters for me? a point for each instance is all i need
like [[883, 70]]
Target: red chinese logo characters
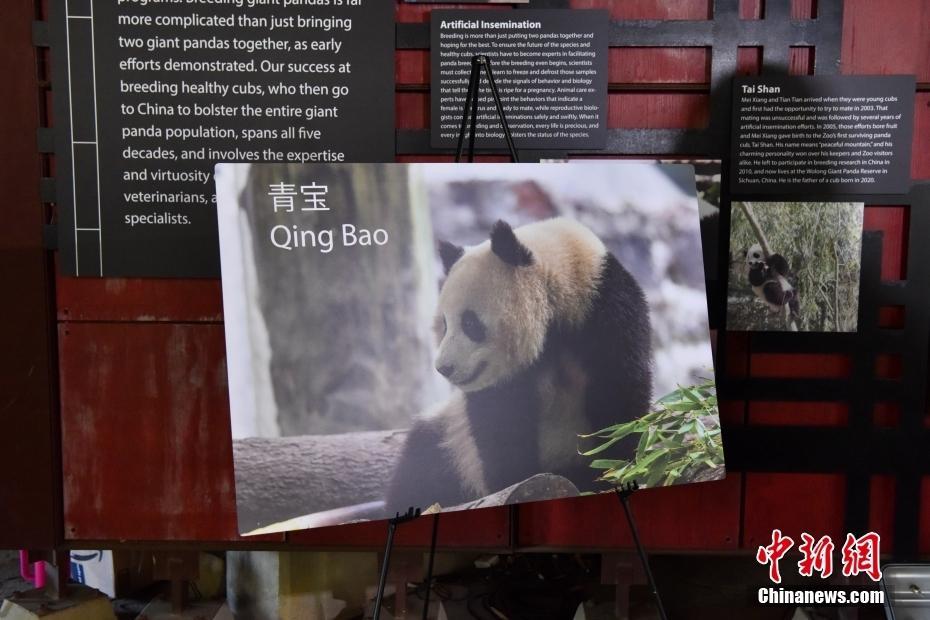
[[858, 555], [817, 556], [773, 553]]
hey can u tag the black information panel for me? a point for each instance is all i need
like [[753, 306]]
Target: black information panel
[[150, 95], [550, 66], [822, 135]]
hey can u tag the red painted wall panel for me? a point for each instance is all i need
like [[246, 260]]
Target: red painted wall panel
[[658, 110], [413, 13], [920, 162], [777, 413], [147, 450], [411, 67], [891, 221], [650, 9], [794, 365], [120, 299], [659, 65], [794, 503], [882, 38], [411, 110]]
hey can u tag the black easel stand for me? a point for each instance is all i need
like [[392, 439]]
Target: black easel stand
[[428, 581], [471, 106], [410, 515], [624, 494]]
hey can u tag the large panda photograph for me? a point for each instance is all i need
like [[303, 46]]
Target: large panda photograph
[[451, 336]]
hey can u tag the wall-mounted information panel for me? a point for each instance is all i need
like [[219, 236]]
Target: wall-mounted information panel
[[550, 66], [150, 95], [822, 135]]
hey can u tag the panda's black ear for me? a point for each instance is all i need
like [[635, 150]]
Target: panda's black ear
[[450, 254], [778, 263], [507, 247]]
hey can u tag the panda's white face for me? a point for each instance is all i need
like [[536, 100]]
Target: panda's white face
[[491, 319], [755, 255]]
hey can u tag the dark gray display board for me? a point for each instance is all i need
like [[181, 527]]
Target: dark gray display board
[[149, 96], [822, 135], [550, 66]]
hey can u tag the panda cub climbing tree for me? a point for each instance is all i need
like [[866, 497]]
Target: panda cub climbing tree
[[545, 336], [768, 276]]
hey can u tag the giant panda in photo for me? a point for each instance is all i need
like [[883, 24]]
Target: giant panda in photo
[[545, 336]]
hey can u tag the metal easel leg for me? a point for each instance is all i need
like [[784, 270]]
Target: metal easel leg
[[470, 93], [411, 514], [428, 581], [486, 62], [479, 63], [624, 494]]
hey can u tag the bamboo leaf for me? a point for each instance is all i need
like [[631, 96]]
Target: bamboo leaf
[[611, 430], [680, 438], [699, 429], [608, 463], [682, 406], [694, 398], [601, 447]]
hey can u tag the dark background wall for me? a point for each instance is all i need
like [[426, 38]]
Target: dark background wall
[[28, 463], [156, 464]]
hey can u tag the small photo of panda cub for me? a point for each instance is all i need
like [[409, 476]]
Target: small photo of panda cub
[[510, 333], [794, 266]]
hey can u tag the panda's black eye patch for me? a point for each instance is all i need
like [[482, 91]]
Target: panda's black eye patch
[[473, 327]]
